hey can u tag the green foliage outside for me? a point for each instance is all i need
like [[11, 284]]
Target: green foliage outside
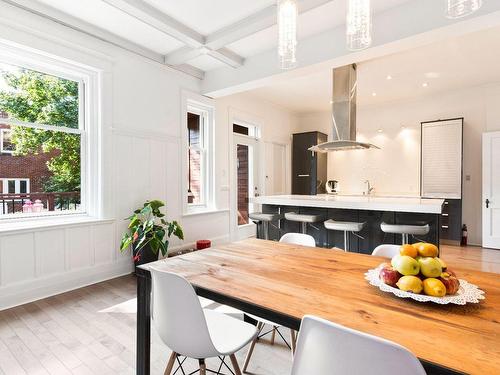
[[40, 98]]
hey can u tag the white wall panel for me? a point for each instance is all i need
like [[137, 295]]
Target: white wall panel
[[78, 247], [49, 248], [104, 244], [17, 258]]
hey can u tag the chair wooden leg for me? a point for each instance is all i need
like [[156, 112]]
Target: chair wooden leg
[[234, 362], [273, 335], [252, 345], [203, 367], [293, 341], [170, 363]]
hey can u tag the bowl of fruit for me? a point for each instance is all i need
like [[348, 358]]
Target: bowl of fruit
[[418, 272]]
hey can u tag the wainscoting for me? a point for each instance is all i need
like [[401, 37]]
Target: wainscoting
[[52, 260]]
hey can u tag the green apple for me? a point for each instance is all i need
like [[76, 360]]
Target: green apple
[[430, 267], [406, 265]]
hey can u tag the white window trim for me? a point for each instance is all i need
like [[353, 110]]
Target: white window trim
[[90, 88], [2, 132], [199, 104], [17, 182]]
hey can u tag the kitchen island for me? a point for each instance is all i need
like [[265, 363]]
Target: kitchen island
[[369, 209]]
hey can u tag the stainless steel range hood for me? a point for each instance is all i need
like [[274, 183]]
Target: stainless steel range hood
[[343, 113]]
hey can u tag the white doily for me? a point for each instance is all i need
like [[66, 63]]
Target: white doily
[[467, 293]]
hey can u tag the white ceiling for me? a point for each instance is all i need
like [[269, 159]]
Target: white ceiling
[[206, 18], [466, 61], [108, 18], [315, 21]]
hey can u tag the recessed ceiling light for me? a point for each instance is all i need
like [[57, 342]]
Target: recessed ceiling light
[[425, 84], [389, 77], [374, 94], [380, 130], [331, 101]]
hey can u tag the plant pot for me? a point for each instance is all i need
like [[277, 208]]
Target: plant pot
[[146, 256]]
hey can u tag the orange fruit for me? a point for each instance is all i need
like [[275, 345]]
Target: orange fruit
[[416, 245], [408, 250], [427, 250]]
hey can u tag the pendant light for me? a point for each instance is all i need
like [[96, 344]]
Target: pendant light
[[358, 25], [462, 8], [287, 33]]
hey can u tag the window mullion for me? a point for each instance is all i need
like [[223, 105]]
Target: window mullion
[[33, 125]]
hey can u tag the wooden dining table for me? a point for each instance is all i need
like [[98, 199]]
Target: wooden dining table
[[283, 282]]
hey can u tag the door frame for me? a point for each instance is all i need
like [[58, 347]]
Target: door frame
[[287, 169], [237, 232], [486, 194]]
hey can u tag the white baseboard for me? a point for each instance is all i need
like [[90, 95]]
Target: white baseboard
[[29, 291]]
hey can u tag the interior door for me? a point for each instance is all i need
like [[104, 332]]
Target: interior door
[[246, 154], [275, 167], [491, 190]]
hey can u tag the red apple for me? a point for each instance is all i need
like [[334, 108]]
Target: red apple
[[450, 282], [450, 272], [389, 275]]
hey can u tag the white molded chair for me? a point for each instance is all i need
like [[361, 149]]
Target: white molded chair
[[188, 329], [326, 348], [386, 251], [298, 239]]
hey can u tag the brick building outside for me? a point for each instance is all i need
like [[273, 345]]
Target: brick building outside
[[21, 174]]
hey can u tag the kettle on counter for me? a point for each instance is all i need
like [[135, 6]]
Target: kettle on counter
[[332, 186]]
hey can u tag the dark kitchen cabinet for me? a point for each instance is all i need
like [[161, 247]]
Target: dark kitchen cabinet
[[451, 222], [308, 168]]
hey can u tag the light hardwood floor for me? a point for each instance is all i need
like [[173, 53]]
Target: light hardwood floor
[[92, 330]]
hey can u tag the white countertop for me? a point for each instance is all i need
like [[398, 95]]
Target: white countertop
[[356, 202]]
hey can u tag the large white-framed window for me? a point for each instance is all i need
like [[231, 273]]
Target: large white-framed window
[[198, 153], [53, 133]]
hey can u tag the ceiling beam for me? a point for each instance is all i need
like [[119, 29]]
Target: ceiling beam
[[93, 31], [173, 28], [216, 42], [256, 22], [160, 21], [227, 57]]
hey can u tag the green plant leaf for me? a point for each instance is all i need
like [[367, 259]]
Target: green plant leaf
[[125, 242]]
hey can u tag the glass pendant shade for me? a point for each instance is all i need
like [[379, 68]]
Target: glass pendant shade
[[287, 33], [359, 25], [462, 8]]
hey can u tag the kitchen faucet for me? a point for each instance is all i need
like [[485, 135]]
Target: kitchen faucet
[[369, 188]]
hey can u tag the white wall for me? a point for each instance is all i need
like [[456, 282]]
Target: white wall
[[141, 160], [141, 110], [395, 169], [276, 125]]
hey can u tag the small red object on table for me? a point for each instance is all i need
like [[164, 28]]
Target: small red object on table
[[203, 244]]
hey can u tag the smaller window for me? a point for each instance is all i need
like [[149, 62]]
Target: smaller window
[[23, 186], [12, 186], [246, 129], [239, 129], [16, 185], [198, 169], [196, 158], [6, 145]]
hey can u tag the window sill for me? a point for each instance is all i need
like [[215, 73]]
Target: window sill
[[204, 212], [16, 225]]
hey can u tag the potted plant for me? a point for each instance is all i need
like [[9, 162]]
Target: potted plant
[[147, 231]]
